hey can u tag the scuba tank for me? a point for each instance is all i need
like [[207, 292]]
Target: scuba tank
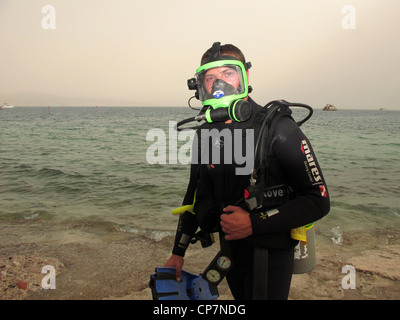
[[305, 258]]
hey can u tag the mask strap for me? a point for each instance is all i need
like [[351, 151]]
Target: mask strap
[[215, 51]]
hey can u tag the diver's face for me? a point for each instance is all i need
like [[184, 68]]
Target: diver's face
[[226, 74]]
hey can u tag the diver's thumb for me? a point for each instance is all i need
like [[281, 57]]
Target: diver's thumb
[[178, 274]]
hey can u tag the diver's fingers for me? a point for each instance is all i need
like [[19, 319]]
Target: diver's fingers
[[176, 262]]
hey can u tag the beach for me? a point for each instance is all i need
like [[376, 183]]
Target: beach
[[117, 266]]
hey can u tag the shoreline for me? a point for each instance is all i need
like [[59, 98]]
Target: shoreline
[[90, 266]]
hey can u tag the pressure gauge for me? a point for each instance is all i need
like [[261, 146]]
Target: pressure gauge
[[224, 262], [213, 275]]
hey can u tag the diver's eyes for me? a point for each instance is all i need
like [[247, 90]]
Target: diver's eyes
[[229, 74], [209, 79], [225, 74]]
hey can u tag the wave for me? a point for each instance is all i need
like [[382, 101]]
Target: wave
[[374, 209], [27, 215], [156, 235], [51, 172]]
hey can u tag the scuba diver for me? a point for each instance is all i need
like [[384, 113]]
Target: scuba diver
[[253, 211]]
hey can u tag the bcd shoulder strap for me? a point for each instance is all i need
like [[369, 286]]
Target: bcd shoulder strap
[[264, 125]]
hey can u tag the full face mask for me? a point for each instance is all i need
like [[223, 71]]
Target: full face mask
[[221, 80]]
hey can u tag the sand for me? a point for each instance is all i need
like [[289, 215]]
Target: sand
[[110, 265]]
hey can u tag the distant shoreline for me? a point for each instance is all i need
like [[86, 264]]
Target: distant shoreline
[[185, 107]]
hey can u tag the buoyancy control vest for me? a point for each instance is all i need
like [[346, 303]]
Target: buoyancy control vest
[[264, 187]]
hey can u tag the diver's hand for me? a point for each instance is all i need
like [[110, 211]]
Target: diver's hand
[[237, 224], [176, 262]]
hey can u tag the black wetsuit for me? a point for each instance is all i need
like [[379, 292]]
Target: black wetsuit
[[218, 185]]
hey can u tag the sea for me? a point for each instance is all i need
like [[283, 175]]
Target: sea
[[63, 167]]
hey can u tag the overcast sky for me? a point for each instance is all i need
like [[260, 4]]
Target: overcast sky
[[140, 53]]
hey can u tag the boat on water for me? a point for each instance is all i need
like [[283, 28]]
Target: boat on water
[[329, 107], [6, 106]]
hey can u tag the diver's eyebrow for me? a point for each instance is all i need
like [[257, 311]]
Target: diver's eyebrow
[[219, 72]]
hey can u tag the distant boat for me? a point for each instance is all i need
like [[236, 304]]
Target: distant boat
[[329, 107], [7, 106]]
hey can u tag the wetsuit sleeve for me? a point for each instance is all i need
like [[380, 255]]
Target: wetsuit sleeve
[[187, 224], [299, 163], [187, 227]]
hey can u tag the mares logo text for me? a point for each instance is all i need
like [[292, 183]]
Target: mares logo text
[[310, 164]]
